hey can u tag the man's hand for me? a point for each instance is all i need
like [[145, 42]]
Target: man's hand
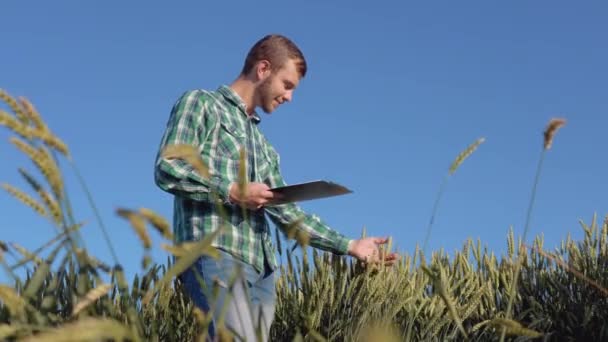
[[255, 197], [368, 250]]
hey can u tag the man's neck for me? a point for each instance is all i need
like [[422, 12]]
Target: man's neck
[[246, 90]]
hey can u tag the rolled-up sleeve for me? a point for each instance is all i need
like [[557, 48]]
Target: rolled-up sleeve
[[186, 125], [321, 235]]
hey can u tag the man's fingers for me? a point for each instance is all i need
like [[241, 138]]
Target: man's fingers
[[392, 256], [268, 194], [380, 241]]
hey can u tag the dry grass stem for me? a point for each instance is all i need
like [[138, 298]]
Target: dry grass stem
[[465, 154], [552, 127]]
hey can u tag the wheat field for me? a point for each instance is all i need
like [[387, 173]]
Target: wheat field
[[67, 294]]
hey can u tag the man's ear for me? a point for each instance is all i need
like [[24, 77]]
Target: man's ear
[[263, 69]]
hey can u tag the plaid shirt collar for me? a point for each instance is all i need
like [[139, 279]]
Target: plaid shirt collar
[[233, 97]]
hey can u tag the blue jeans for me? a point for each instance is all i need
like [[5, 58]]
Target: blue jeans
[[251, 303]]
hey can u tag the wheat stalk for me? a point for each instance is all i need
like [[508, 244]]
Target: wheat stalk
[[91, 297], [15, 303], [157, 222], [44, 162], [52, 169], [138, 223], [25, 199], [12, 103], [464, 155], [552, 127], [52, 141], [510, 327], [189, 154], [32, 114], [51, 204], [571, 270], [25, 114], [14, 125], [453, 167], [27, 254], [185, 248], [87, 329]]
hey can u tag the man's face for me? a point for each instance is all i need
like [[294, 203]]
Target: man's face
[[278, 87]]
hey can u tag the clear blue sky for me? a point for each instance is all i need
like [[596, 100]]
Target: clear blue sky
[[394, 92]]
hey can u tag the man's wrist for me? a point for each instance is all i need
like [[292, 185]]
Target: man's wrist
[[232, 198], [350, 246]]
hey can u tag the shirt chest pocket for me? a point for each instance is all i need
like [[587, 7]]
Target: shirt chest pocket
[[230, 141], [266, 163]]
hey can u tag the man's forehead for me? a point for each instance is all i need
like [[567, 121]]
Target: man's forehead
[[290, 71]]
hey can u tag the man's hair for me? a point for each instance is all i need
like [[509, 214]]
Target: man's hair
[[276, 49]]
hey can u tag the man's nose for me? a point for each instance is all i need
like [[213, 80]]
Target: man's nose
[[288, 96]]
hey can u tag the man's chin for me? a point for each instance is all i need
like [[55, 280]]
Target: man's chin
[[269, 110]]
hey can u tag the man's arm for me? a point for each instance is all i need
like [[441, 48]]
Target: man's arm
[[187, 125], [321, 235]]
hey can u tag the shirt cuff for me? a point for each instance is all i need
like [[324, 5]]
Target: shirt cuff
[[342, 244], [223, 190]]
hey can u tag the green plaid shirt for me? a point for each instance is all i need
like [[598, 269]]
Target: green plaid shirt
[[217, 124]]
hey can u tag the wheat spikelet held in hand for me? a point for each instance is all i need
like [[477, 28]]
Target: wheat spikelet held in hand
[[91, 297], [157, 222], [552, 127], [139, 224], [465, 154], [189, 154], [25, 199]]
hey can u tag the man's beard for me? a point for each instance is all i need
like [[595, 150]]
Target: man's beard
[[265, 96]]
